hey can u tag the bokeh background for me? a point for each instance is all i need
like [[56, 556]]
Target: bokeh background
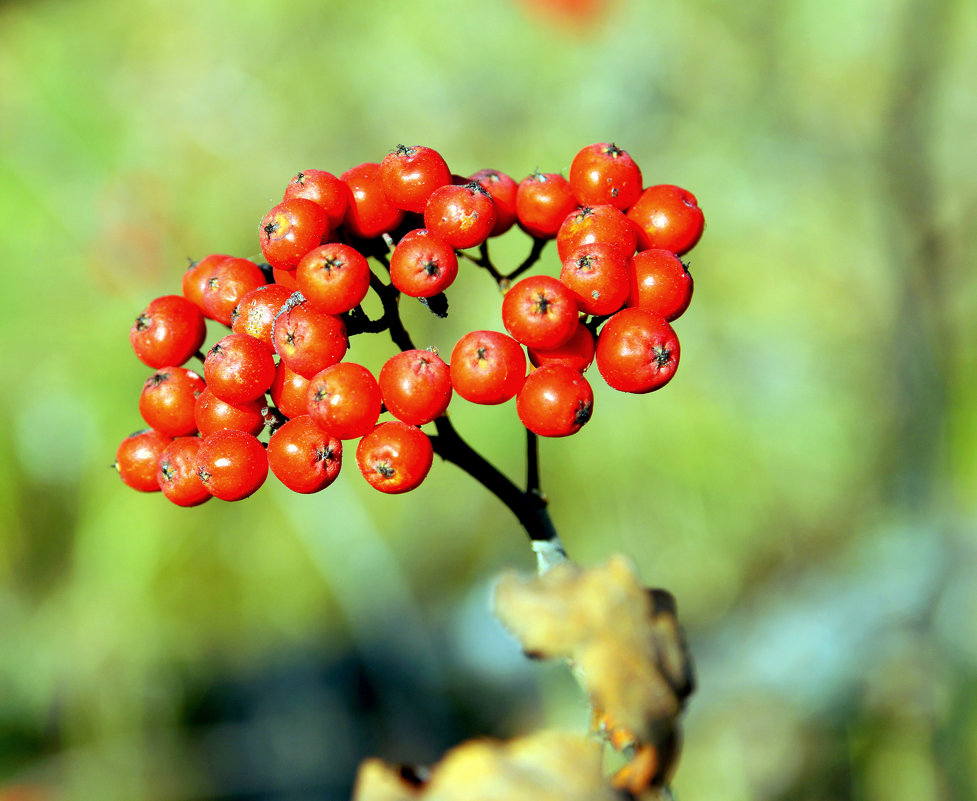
[[806, 486]]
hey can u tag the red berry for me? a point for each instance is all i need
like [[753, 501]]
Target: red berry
[[288, 391], [169, 331], [196, 275], [290, 230], [410, 174], [231, 464], [227, 283], [599, 277], [308, 341], [334, 278], [663, 285], [637, 351], [540, 312], [592, 224], [503, 189], [255, 314], [603, 173], [416, 386], [555, 401], [167, 401], [577, 352], [212, 414], [239, 369], [303, 456], [137, 459], [487, 367], [543, 201], [286, 278], [395, 457], [667, 217], [344, 400], [463, 216], [370, 213], [324, 189], [423, 264], [177, 474]]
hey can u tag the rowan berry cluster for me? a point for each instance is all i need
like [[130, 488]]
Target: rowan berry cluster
[[282, 370]]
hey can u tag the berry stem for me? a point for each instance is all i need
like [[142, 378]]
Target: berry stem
[[531, 259], [532, 463]]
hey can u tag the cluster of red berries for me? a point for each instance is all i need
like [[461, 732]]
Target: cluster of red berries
[[620, 284]]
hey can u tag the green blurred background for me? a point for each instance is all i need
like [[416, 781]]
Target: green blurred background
[[807, 486]]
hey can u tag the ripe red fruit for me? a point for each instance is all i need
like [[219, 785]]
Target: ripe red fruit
[[637, 351], [196, 275], [599, 276], [543, 201], [177, 474], [577, 352], [410, 174], [423, 264], [662, 285], [603, 173], [137, 459], [463, 216], [303, 456], [227, 283], [212, 414], [344, 400], [540, 312], [324, 189], [487, 367], [307, 340], [286, 278], [416, 386], [667, 217], [255, 314], [334, 278], [290, 230], [288, 391], [555, 401], [370, 213], [168, 331], [503, 190], [167, 400], [592, 224], [395, 457], [239, 369], [231, 464]]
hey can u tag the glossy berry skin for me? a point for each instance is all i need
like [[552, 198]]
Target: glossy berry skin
[[344, 400], [415, 386], [503, 190], [543, 201], [290, 230], [226, 285], [637, 351], [599, 276], [463, 216], [137, 459], [577, 352], [487, 367], [255, 314], [667, 217], [285, 278], [423, 264], [334, 278], [540, 312], [177, 475], [167, 332], [303, 456], [370, 212], [555, 401], [239, 369], [212, 414], [411, 174], [195, 277], [596, 224], [324, 189], [662, 284], [395, 457], [231, 464], [309, 341], [288, 391], [603, 173], [167, 400]]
